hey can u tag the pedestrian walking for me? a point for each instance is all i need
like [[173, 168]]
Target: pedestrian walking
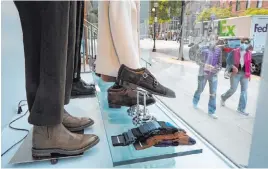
[[210, 64], [239, 60]]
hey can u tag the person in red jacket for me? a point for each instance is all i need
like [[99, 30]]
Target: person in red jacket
[[239, 60]]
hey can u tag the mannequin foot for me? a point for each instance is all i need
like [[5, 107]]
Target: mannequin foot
[[81, 88], [74, 123], [57, 139]]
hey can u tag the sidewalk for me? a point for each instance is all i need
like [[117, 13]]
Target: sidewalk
[[170, 48], [232, 132]]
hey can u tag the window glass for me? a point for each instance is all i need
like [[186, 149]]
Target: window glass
[[237, 5], [248, 4], [205, 87], [259, 3]]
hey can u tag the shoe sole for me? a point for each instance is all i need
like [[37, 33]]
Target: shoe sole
[[213, 117], [47, 152], [134, 86], [80, 127], [242, 113], [116, 106], [75, 94]]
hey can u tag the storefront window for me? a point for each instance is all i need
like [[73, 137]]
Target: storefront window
[[231, 98]]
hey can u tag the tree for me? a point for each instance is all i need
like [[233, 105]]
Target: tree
[[165, 10], [255, 11], [219, 13]]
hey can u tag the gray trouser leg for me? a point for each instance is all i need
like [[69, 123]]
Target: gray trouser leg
[[79, 35], [45, 26], [71, 50]]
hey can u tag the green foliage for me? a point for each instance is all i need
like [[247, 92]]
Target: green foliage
[[165, 10], [220, 13], [175, 8], [255, 11]]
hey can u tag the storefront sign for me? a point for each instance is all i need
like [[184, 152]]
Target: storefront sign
[[226, 30], [258, 28]]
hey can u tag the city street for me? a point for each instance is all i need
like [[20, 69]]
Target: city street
[[231, 132]]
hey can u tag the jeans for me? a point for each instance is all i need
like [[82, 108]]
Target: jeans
[[234, 80], [213, 83]]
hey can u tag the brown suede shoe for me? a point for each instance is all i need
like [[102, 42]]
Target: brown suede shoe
[[74, 123], [57, 139], [133, 78], [119, 96]]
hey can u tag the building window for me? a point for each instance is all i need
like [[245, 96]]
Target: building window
[[248, 4], [237, 5], [230, 4], [259, 3], [218, 4]]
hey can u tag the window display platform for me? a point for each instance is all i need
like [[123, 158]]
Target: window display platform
[[117, 121], [100, 155], [24, 153]]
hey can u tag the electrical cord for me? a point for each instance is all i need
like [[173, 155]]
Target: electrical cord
[[18, 129]]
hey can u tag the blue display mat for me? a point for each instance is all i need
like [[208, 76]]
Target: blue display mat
[[117, 121]]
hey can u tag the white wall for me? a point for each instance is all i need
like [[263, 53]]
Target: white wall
[[12, 62], [260, 34], [259, 146]]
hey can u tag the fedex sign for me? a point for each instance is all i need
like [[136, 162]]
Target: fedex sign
[[258, 28], [226, 30]]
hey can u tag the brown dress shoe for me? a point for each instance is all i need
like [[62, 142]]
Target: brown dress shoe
[[119, 96], [57, 139], [74, 123], [133, 78]]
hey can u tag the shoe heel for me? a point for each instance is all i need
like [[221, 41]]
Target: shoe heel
[[114, 106], [40, 153]]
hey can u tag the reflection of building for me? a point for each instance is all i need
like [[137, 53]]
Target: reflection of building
[[239, 6], [193, 8], [94, 4], [144, 19]]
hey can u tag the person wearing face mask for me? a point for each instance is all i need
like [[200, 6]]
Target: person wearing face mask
[[210, 62], [239, 60]]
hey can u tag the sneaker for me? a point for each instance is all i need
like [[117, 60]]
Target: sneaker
[[222, 102], [195, 106], [213, 115], [242, 112]]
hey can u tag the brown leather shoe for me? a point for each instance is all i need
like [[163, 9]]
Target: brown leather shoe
[[133, 78], [57, 139], [119, 96], [74, 123]]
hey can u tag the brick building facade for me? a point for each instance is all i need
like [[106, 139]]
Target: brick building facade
[[239, 6]]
